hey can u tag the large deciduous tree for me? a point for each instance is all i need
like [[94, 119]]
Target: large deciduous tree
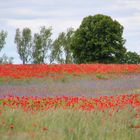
[[61, 51], [23, 39], [98, 39], [41, 45]]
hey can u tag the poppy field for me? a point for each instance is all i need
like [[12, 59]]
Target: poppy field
[[65, 109], [43, 70]]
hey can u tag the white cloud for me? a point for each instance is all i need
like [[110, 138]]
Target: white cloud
[[131, 23], [61, 14], [129, 4], [57, 25]]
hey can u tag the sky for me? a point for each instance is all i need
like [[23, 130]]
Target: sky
[[63, 14]]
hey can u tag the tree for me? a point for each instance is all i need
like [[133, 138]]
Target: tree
[[6, 60], [24, 43], [131, 58], [41, 45], [98, 39], [3, 36], [61, 51]]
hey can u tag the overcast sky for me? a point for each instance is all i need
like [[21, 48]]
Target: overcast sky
[[62, 14]]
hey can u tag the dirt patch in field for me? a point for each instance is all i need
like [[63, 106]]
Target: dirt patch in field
[[78, 87]]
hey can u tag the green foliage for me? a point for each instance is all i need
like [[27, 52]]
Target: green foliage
[[98, 39], [6, 60], [3, 36], [131, 58], [41, 45], [24, 43], [61, 51], [101, 76]]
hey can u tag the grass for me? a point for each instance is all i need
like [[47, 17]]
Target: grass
[[102, 76], [69, 125], [64, 78]]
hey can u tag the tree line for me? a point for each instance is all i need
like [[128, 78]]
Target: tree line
[[99, 39]]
